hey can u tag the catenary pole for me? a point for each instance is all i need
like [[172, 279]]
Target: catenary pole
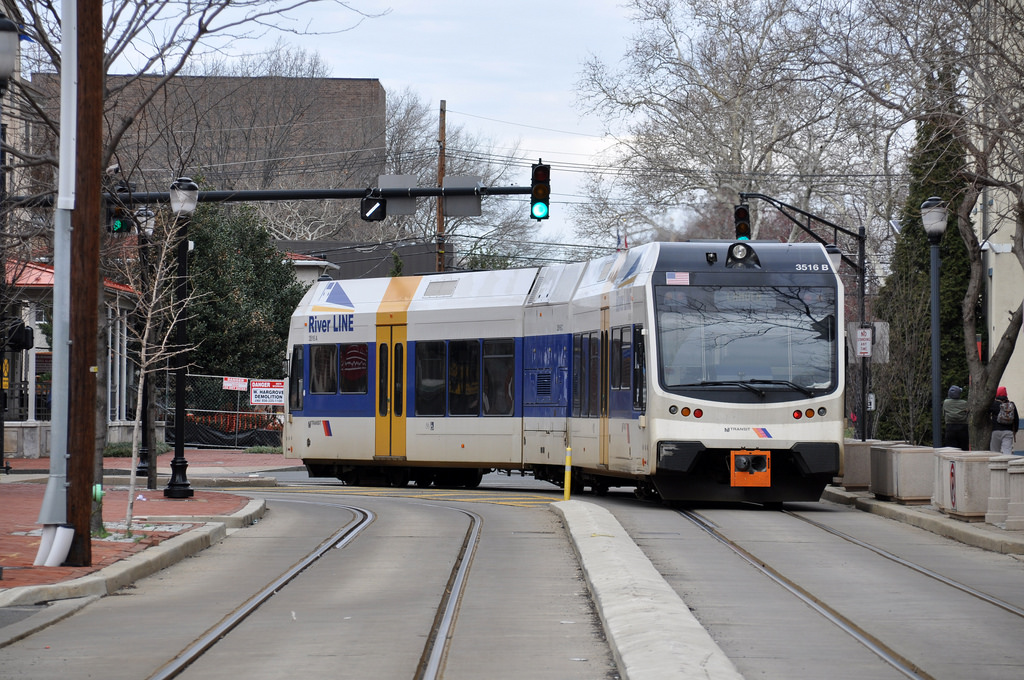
[[442, 144], [54, 510]]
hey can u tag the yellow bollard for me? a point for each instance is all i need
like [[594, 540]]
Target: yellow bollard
[[568, 471]]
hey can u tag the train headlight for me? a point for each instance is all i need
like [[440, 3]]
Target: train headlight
[[822, 411], [742, 256], [673, 409]]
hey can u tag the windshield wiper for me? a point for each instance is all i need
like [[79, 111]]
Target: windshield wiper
[[745, 384], [787, 383]]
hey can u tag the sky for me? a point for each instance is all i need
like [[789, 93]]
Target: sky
[[507, 70]]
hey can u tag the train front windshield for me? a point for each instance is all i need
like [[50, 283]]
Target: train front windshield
[[771, 340]]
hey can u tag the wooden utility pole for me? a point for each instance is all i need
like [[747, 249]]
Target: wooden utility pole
[[440, 183], [85, 275]]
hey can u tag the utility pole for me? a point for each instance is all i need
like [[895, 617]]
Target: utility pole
[[85, 273], [442, 150]]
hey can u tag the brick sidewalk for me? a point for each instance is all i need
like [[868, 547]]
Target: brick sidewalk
[[20, 502], [19, 530]]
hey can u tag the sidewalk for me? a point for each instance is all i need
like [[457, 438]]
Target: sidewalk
[[165, 529]]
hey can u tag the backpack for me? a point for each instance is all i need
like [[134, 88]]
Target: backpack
[[1006, 413]]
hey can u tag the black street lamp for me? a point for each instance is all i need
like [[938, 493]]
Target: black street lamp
[[933, 216], [184, 196]]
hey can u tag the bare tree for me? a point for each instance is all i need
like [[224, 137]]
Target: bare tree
[[148, 264], [719, 98], [890, 52]]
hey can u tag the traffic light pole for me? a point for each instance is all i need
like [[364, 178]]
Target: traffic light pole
[[859, 266]]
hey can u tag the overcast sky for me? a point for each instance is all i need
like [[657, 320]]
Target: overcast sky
[[505, 69]]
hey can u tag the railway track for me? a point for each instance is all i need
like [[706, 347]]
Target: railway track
[[431, 662], [790, 575]]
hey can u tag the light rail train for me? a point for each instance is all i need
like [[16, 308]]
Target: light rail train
[[699, 371]]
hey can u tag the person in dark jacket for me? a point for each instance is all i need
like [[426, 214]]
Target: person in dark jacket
[[1005, 423], [954, 413]]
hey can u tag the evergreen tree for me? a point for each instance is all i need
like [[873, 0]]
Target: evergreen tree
[[905, 299], [245, 293]]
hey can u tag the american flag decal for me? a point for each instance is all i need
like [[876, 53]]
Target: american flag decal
[[677, 278]]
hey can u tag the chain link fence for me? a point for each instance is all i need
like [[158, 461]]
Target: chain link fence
[[220, 411]]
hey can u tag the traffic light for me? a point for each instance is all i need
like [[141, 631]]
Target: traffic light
[[540, 191], [120, 221], [742, 215], [373, 209], [17, 335]]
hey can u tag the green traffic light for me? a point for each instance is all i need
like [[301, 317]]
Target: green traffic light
[[539, 211]]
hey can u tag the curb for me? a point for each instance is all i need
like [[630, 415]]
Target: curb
[[650, 629], [978, 534]]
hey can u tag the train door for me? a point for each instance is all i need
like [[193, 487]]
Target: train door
[[391, 382]]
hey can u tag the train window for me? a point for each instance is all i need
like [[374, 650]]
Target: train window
[[499, 377], [382, 376], [295, 379], [594, 376], [626, 357], [353, 368], [323, 369], [577, 375], [615, 373], [430, 384], [399, 386], [639, 370], [464, 377]]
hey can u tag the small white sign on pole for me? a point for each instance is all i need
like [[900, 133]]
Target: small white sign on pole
[[864, 342], [266, 392], [236, 384]]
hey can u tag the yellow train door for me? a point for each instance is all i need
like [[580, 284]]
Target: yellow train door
[[391, 392]]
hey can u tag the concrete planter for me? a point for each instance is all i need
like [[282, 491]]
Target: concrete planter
[[857, 464], [903, 473], [963, 482], [999, 489], [1015, 508]]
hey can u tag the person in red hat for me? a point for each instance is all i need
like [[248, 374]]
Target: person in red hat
[[1005, 423]]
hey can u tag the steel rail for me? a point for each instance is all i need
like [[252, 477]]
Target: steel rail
[[945, 580], [436, 649], [340, 539], [902, 665]]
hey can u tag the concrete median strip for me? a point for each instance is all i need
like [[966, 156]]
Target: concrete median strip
[[652, 632]]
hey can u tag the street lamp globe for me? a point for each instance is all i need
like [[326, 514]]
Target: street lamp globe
[[184, 195], [933, 216], [8, 51]]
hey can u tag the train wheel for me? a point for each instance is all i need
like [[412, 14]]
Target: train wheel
[[349, 477], [398, 477], [423, 478], [473, 478], [601, 489]]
